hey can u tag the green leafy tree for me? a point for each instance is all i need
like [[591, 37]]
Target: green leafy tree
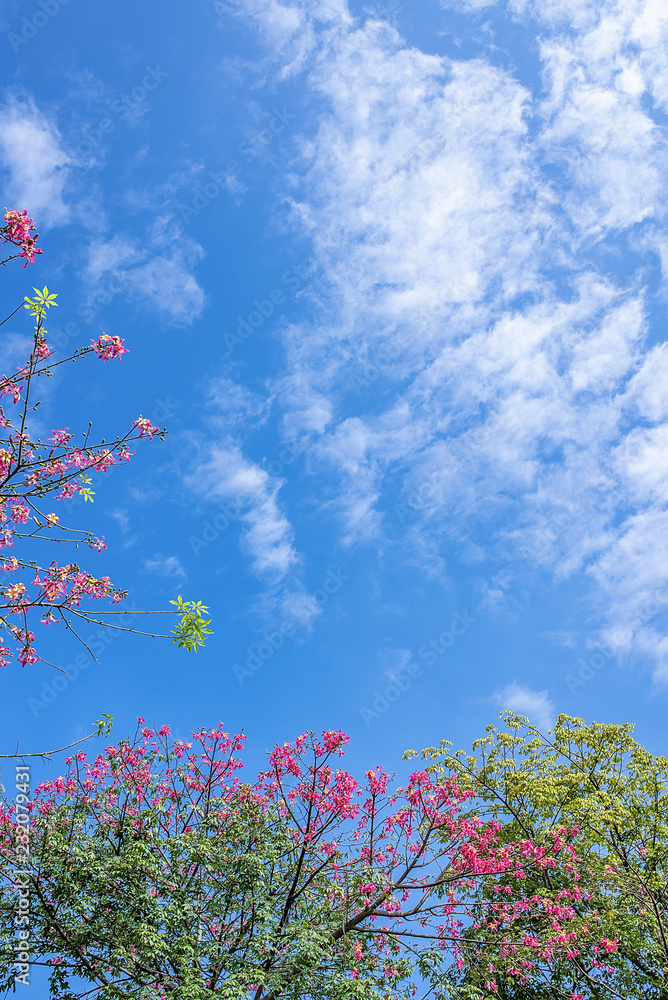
[[598, 779]]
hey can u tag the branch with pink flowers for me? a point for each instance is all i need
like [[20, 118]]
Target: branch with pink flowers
[[17, 231], [31, 470]]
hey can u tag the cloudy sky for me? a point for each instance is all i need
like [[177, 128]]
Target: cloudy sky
[[394, 278]]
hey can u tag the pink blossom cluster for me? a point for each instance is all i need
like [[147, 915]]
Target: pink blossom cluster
[[107, 347], [17, 230], [145, 427]]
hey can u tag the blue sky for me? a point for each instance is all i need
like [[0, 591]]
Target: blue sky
[[394, 277]]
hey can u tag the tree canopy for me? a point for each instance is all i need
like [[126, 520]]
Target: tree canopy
[[157, 870], [597, 779]]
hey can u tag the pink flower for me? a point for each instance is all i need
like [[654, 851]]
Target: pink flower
[[16, 592], [107, 347], [42, 350], [333, 740], [20, 513], [609, 945], [60, 438], [377, 781], [17, 230], [145, 427], [27, 655]]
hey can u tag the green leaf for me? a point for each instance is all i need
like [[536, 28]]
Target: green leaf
[[192, 629], [104, 724]]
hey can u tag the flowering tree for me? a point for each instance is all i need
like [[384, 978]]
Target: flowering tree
[[598, 780], [155, 871], [32, 470]]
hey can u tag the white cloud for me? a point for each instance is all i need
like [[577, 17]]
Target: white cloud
[[15, 351], [107, 257], [166, 566], [225, 474], [286, 602], [629, 36], [168, 286], [288, 30], [467, 234], [121, 517], [156, 272], [648, 389], [468, 6], [235, 407], [632, 574], [267, 534], [536, 705], [296, 605], [35, 164]]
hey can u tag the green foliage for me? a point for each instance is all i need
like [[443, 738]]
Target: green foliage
[[42, 301], [86, 492], [38, 308], [598, 778], [157, 866], [192, 629], [103, 725]]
